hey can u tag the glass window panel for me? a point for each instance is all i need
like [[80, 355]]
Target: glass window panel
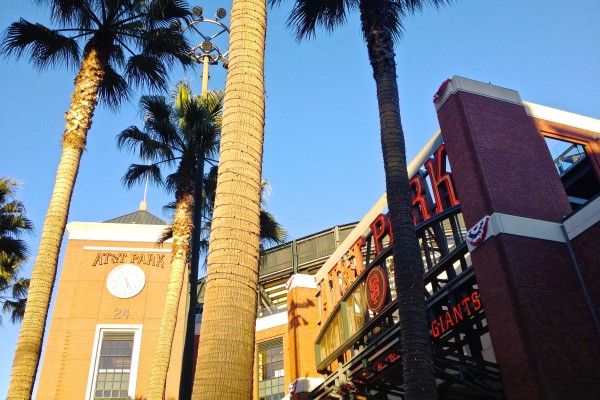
[[271, 370], [112, 379]]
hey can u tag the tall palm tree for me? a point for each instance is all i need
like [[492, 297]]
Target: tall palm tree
[[226, 349], [382, 24], [13, 251], [272, 233], [125, 43], [179, 133]]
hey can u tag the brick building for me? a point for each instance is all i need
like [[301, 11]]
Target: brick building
[[506, 210]]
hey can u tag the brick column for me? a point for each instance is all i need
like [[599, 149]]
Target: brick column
[[533, 301], [303, 314]]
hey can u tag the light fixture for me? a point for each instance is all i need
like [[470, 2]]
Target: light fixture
[[197, 10], [221, 13], [206, 46]]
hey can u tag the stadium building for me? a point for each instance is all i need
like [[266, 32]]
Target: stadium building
[[507, 214]]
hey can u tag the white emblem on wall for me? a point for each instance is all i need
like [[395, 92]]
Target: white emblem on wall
[[125, 281]]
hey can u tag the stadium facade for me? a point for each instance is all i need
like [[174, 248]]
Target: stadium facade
[[509, 233]]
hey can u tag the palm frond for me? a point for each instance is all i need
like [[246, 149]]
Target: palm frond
[[14, 247], [169, 209], [158, 122], [271, 232], [68, 12], [167, 45], [16, 309], [13, 223], [307, 15], [147, 147], [165, 235], [180, 95], [155, 108], [171, 181], [413, 6], [162, 12], [137, 173], [210, 187], [44, 47], [116, 56], [10, 266], [113, 89], [20, 288], [146, 71]]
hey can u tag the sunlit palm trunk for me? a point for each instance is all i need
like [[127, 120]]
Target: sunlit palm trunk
[[79, 120], [418, 374], [182, 229], [226, 350]]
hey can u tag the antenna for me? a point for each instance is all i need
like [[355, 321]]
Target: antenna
[[143, 204]]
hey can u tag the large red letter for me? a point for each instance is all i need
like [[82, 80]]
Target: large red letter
[[355, 252], [440, 178], [380, 227], [421, 200]]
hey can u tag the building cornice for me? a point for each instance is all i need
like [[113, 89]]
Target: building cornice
[[114, 232]]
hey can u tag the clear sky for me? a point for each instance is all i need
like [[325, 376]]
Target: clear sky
[[322, 152]]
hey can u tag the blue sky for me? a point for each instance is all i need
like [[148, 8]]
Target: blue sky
[[322, 152]]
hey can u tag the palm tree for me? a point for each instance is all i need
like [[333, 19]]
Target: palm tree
[[13, 251], [130, 36], [381, 24], [181, 134], [271, 231], [271, 234], [226, 349]]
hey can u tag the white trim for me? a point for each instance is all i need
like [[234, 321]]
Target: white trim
[[95, 359], [562, 117], [458, 83], [583, 219], [301, 280], [127, 249], [114, 232], [513, 225], [432, 145], [271, 321]]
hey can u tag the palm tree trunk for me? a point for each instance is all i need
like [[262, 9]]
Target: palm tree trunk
[[180, 250], [418, 373], [79, 120], [187, 362], [226, 349]]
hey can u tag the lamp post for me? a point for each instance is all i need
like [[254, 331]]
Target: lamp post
[[205, 53]]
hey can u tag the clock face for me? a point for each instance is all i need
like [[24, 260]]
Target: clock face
[[125, 281]]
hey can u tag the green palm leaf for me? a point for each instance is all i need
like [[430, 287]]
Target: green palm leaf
[[43, 46]]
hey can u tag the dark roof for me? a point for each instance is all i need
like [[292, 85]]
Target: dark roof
[[139, 217]]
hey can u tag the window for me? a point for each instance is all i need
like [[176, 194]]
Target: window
[[576, 171], [114, 363], [270, 370]]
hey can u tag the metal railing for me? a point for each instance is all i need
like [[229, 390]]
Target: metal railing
[[570, 157]]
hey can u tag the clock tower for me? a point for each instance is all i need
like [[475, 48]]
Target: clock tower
[[106, 319]]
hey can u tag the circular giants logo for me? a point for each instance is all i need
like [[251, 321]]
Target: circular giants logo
[[376, 288]]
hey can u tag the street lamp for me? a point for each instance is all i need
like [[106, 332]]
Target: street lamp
[[205, 53]]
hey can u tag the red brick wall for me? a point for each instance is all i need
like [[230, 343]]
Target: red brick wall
[[499, 161], [586, 250], [528, 287]]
